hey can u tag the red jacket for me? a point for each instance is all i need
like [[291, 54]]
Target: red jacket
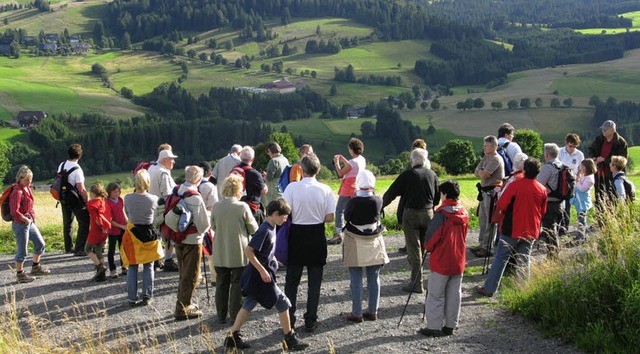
[[524, 203], [100, 221], [21, 203], [447, 239]]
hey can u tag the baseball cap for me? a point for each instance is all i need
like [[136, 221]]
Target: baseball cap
[[365, 180], [608, 124], [166, 153]]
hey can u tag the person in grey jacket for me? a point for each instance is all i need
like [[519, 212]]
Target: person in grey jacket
[[548, 177]]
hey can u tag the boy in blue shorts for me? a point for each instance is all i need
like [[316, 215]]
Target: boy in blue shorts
[[258, 282]]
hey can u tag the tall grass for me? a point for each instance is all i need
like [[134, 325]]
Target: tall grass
[[591, 295]]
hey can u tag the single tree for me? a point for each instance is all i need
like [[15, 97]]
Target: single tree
[[424, 105], [530, 142], [334, 90], [555, 103], [538, 102], [368, 129], [568, 102], [525, 103], [594, 101], [435, 104], [512, 104], [456, 156], [478, 103]]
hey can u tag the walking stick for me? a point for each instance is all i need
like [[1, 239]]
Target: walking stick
[[413, 285], [206, 280], [487, 257]]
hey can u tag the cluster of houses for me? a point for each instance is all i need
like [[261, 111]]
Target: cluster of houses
[[278, 86], [29, 119], [50, 44]]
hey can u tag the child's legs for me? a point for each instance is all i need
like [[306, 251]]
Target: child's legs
[[132, 282], [113, 239], [282, 306], [436, 300], [355, 273], [453, 294], [248, 305], [147, 280], [373, 284], [94, 252]]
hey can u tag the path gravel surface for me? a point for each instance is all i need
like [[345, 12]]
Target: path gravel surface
[[67, 307]]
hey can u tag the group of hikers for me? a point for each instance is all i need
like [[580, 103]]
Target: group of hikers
[[249, 224]]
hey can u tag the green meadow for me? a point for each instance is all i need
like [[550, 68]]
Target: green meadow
[[634, 16], [77, 17], [634, 154], [603, 82]]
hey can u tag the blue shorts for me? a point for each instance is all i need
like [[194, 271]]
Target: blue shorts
[[282, 304]]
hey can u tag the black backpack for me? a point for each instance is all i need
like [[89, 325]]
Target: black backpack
[[61, 189], [629, 187], [566, 185]]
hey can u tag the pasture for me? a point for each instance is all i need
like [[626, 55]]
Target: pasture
[[634, 16]]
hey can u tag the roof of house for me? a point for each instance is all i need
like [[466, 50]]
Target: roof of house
[[22, 115]]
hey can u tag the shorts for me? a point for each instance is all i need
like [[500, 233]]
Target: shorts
[[282, 304], [97, 249]]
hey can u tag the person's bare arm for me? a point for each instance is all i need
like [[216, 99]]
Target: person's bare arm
[[329, 217], [266, 277], [82, 191]]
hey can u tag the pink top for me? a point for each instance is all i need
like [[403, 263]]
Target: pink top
[[117, 215], [21, 203], [348, 184]]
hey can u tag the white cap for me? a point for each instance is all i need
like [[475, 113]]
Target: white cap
[[166, 153], [365, 180]]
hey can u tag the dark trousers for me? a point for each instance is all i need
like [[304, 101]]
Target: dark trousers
[[566, 217], [80, 213], [294, 274], [189, 258], [111, 253], [228, 294], [550, 222]]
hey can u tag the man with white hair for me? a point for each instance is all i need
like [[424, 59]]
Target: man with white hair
[[189, 251], [162, 185], [604, 146], [548, 177], [223, 167], [418, 187], [254, 186]]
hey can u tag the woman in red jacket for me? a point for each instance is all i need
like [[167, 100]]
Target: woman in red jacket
[[24, 226]]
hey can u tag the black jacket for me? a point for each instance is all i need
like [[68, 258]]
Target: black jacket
[[418, 187]]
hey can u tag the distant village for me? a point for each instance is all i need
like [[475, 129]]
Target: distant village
[[48, 44]]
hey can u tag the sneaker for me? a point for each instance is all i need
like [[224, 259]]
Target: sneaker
[[371, 316], [234, 340], [291, 342], [402, 249], [158, 265], [336, 240], [24, 278], [133, 303], [353, 318], [409, 289], [123, 271], [101, 273], [146, 301], [113, 274], [482, 291], [447, 331], [310, 326], [430, 332], [40, 270], [170, 266], [190, 312]]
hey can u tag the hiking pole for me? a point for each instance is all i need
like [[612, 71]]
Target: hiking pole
[[206, 280], [485, 264], [413, 285]]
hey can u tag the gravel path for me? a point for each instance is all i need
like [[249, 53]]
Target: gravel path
[[66, 308]]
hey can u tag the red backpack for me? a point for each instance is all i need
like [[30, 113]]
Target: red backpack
[[4, 200], [241, 170], [144, 165], [170, 203]]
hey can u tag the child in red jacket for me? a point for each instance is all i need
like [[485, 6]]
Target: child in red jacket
[[446, 240], [100, 223]]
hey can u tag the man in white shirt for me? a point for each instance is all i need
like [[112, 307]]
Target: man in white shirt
[[506, 133], [313, 205], [74, 207], [224, 166], [572, 157], [162, 185]]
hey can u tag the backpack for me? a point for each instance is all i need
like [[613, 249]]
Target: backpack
[[178, 219], [566, 185], [4, 200], [241, 170], [629, 188], [61, 189], [284, 179], [144, 165], [508, 165]]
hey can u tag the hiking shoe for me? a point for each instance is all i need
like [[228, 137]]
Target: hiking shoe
[[170, 266], [123, 271], [353, 318], [482, 252], [336, 240], [310, 326], [234, 340], [291, 342], [409, 289], [24, 278], [40, 270], [190, 312], [482, 291], [403, 249], [371, 316], [101, 273], [113, 274], [447, 331], [146, 301], [430, 332]]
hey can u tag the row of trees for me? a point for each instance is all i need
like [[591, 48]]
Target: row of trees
[[524, 103]]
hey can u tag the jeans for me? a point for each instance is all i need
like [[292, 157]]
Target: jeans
[[189, 258], [443, 300], [25, 233], [79, 212], [111, 253], [294, 273], [147, 281], [507, 244], [228, 293], [415, 223], [340, 206], [373, 285]]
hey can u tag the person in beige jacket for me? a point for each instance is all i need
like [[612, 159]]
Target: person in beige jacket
[[233, 223]]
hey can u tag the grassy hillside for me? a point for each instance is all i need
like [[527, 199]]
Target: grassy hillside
[[77, 17], [634, 16]]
